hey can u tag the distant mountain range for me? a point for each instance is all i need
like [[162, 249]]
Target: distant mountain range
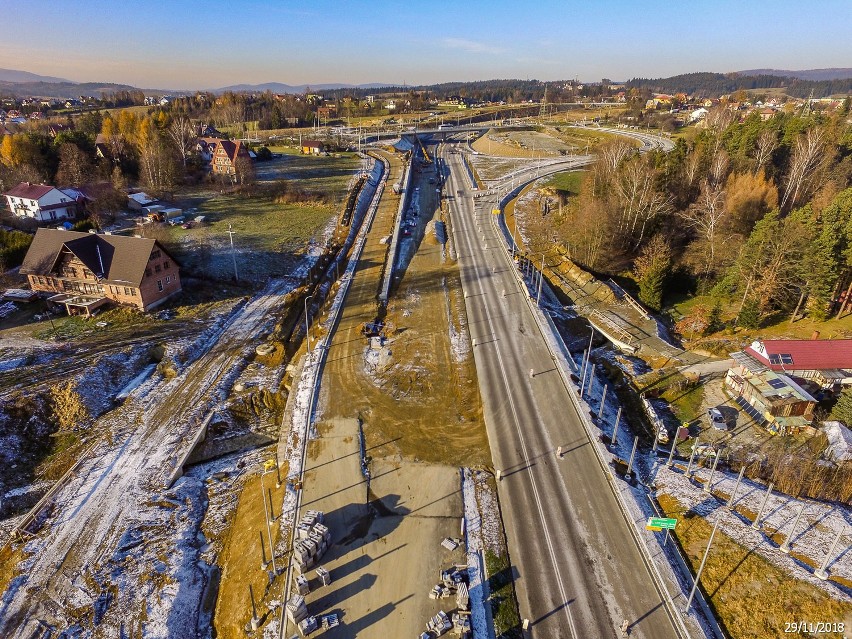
[[11, 75], [278, 87], [806, 74]]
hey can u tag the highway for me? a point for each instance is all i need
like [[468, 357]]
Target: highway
[[579, 572]]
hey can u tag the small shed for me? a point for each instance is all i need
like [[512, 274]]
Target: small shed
[[312, 147]]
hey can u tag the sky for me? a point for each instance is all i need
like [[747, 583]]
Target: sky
[[189, 44]]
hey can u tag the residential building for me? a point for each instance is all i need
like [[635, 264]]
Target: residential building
[[771, 399], [227, 156], [826, 363], [42, 202], [87, 271]]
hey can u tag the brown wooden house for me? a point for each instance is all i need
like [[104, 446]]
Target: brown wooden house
[[86, 271], [230, 158]]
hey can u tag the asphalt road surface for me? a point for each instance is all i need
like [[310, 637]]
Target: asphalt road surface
[[578, 570]]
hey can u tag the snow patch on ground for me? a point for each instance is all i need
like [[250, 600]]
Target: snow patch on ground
[[819, 525], [480, 518]]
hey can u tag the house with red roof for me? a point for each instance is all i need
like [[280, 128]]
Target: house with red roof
[[42, 202], [230, 158], [775, 380]]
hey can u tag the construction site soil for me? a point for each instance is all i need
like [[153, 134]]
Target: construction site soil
[[414, 398]]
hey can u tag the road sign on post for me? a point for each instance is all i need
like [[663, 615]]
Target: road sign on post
[[660, 523]]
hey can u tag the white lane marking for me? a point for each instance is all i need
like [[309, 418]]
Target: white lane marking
[[521, 438]]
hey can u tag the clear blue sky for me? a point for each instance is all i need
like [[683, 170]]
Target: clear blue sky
[[192, 44]]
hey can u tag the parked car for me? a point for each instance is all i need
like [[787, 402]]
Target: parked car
[[717, 419]]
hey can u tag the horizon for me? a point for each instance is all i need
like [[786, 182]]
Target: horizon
[[168, 48]]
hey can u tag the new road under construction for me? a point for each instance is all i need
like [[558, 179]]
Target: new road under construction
[[440, 360]]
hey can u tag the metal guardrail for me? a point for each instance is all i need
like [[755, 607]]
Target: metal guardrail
[[390, 262]]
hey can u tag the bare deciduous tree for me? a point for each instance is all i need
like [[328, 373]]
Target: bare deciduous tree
[[640, 201], [707, 216], [808, 155], [765, 145], [182, 133]]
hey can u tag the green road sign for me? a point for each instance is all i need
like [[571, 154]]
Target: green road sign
[[661, 522]]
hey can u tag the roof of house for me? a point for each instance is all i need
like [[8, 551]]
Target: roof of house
[[124, 258], [313, 144], [29, 191], [231, 149], [802, 354], [141, 198]]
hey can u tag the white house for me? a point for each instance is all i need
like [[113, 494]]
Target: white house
[[42, 202], [699, 114]]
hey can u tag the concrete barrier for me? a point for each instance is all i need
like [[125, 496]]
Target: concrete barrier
[[200, 434], [390, 261]]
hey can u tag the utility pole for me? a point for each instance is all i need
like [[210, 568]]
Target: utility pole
[[701, 567], [307, 325], [733, 496], [822, 573], [709, 485], [756, 523], [785, 547], [629, 472], [233, 254], [615, 428]]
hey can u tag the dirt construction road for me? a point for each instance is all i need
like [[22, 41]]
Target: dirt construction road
[[418, 402], [121, 488]]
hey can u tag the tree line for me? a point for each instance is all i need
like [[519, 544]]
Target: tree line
[[712, 85], [757, 213]]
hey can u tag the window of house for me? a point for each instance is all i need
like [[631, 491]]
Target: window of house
[[128, 291], [154, 255], [167, 264], [147, 272], [159, 285], [157, 268], [87, 272]]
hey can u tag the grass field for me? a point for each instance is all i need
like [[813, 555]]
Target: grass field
[[751, 597], [567, 182]]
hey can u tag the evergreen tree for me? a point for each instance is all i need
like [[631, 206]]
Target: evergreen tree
[[651, 270], [750, 314], [842, 410]]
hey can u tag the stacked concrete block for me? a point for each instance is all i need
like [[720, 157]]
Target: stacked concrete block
[[316, 516], [461, 624], [462, 596], [308, 625], [439, 624], [324, 531], [324, 576], [313, 539], [301, 553], [302, 586], [330, 621], [296, 608]]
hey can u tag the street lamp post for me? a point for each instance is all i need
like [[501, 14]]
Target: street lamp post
[[307, 324], [268, 527]]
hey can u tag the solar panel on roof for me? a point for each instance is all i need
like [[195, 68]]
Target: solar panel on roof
[[776, 383], [786, 358], [774, 359]]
